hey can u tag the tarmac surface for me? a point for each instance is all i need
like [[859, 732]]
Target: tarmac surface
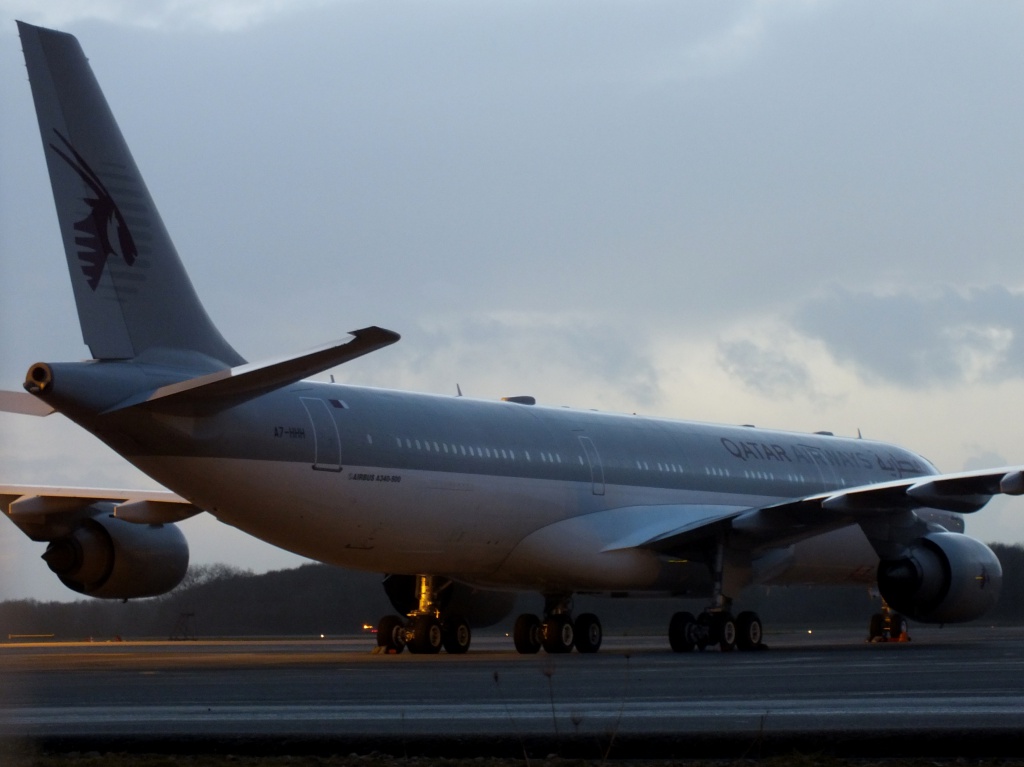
[[951, 692]]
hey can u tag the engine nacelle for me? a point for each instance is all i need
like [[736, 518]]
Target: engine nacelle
[[109, 558], [945, 578]]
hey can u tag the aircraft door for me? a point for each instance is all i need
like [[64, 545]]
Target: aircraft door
[[596, 469], [325, 434]]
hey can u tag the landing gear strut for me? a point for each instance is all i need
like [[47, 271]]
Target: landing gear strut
[[716, 625], [427, 629]]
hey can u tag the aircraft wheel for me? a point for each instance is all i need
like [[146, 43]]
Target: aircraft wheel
[[391, 634], [455, 636], [748, 631], [682, 632], [588, 634], [527, 634], [705, 633], [876, 628], [898, 627], [725, 631], [557, 634], [426, 635]]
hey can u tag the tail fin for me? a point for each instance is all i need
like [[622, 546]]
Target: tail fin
[[132, 292]]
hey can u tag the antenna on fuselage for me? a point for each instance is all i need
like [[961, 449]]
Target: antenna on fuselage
[[458, 390]]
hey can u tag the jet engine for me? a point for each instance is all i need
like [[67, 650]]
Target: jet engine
[[480, 608], [109, 558], [944, 578]]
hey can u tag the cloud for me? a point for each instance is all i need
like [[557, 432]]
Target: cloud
[[984, 458], [938, 337], [574, 358], [219, 15], [718, 39], [766, 371]]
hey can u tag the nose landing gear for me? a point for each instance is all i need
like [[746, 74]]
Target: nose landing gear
[[888, 626]]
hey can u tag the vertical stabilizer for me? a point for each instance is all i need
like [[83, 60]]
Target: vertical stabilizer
[[132, 292]]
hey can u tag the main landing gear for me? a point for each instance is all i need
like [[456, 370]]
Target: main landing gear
[[557, 633], [427, 629], [715, 627]]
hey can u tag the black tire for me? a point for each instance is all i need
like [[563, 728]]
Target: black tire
[[526, 634], [391, 634], [749, 632], [705, 632], [897, 626], [588, 633], [426, 636], [725, 631], [876, 628], [681, 630], [557, 634], [456, 636]]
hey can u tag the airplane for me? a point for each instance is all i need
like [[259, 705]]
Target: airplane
[[459, 502]]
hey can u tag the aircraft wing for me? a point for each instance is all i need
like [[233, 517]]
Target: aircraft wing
[[790, 521], [962, 493], [44, 512]]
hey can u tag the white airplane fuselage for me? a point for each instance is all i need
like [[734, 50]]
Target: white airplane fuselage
[[500, 493]]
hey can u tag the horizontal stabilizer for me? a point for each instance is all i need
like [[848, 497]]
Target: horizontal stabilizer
[[23, 403], [228, 387]]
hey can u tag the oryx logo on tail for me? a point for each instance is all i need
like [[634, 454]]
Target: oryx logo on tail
[[104, 231]]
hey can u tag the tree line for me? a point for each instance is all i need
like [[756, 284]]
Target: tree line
[[314, 599]]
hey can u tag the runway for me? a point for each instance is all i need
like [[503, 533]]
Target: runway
[[954, 688]]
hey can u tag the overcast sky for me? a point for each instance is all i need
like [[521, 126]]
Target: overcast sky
[[802, 215]]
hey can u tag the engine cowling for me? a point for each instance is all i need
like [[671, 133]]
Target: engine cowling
[[945, 578], [109, 558]]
